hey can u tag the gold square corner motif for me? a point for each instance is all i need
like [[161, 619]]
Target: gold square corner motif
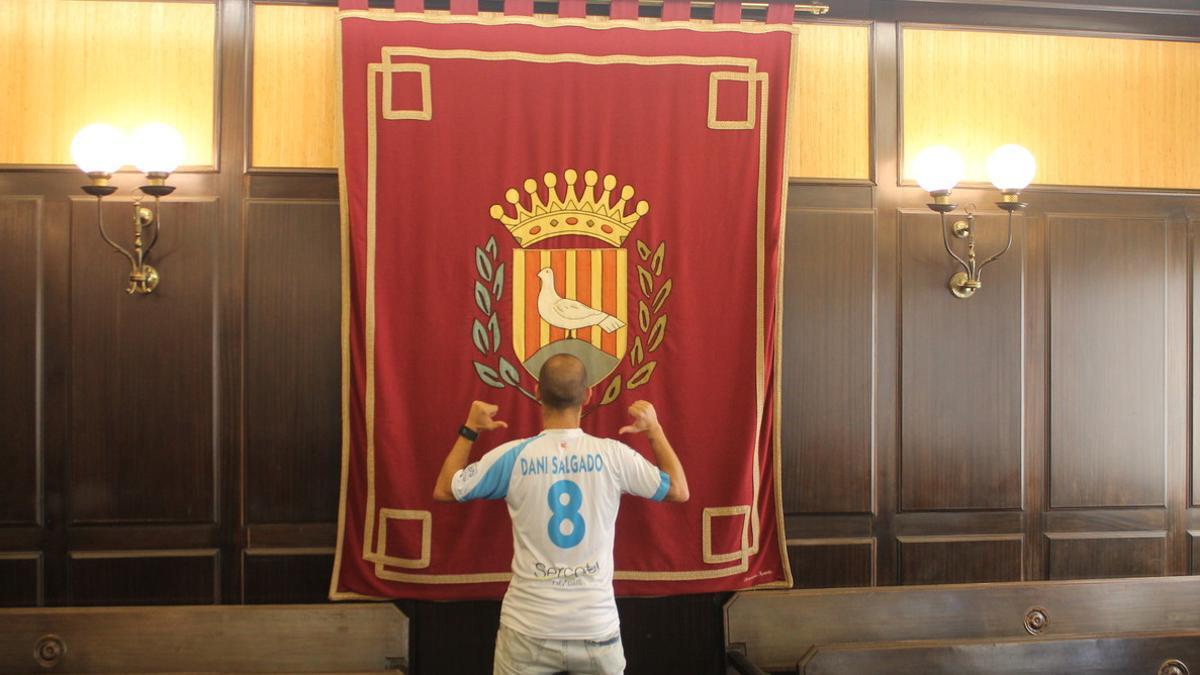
[[714, 81], [425, 113], [381, 557], [728, 512]]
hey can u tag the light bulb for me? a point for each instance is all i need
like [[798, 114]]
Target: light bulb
[[938, 168], [98, 148], [1011, 167], [157, 148]]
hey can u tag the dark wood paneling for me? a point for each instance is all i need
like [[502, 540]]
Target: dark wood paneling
[[20, 579], [1105, 554], [961, 371], [959, 559], [1193, 539], [832, 563], [827, 379], [144, 578], [20, 267], [453, 637], [281, 577], [1107, 361], [141, 389], [1194, 349], [293, 361], [681, 634]]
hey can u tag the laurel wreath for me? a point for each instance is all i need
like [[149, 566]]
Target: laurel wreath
[[652, 321], [485, 333]]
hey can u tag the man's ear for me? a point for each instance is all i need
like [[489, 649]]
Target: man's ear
[[537, 391], [588, 399]]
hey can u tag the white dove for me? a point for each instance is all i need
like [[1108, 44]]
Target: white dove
[[570, 314]]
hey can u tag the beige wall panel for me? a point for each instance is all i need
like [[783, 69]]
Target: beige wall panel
[[830, 131], [68, 63], [1094, 111], [295, 87], [294, 92]]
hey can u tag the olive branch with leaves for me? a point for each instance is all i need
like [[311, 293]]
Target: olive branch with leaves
[[485, 333], [652, 321]]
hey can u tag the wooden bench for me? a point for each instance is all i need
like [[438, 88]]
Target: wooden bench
[[341, 638], [1135, 625]]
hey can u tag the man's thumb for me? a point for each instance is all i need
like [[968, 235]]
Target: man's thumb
[[627, 430]]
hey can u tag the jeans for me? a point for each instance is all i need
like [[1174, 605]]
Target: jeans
[[518, 654]]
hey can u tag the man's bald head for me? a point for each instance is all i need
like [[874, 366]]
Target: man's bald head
[[562, 382]]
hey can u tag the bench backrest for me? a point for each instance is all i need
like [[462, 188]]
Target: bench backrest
[[776, 629], [221, 638]]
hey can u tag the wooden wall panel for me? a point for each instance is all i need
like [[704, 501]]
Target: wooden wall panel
[[20, 266], [1098, 555], [141, 390], [829, 134], [961, 371], [959, 559], [1193, 540], [294, 92], [1107, 289], [1094, 111], [832, 563], [145, 578], [68, 64], [283, 576], [679, 634], [20, 579], [827, 383], [295, 87], [293, 360]]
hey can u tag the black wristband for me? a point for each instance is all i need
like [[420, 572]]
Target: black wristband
[[468, 433]]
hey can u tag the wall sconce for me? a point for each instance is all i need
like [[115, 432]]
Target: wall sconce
[[156, 149], [939, 169]]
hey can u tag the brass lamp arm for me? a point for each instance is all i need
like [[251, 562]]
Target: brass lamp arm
[[157, 228], [1000, 253], [946, 242], [104, 235]]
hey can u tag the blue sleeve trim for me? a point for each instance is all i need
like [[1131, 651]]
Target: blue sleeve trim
[[494, 483], [663, 487]]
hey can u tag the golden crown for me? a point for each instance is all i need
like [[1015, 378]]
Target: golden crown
[[575, 212]]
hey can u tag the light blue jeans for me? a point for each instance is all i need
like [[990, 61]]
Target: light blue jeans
[[518, 654]]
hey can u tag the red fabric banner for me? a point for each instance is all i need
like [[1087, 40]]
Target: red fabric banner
[[409, 5], [727, 11], [635, 168], [572, 9], [464, 6], [676, 10], [518, 7], [781, 12], [623, 9]]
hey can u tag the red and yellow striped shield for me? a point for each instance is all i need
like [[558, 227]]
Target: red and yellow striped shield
[[571, 301]]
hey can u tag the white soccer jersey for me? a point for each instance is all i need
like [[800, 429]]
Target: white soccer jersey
[[563, 488]]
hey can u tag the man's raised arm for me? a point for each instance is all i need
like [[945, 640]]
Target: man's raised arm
[[645, 419], [478, 419]]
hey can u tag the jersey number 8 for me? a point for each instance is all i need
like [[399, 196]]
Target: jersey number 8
[[565, 512]]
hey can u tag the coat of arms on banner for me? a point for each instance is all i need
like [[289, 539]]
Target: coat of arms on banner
[[571, 300]]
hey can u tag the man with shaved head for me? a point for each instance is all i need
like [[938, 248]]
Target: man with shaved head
[[563, 488]]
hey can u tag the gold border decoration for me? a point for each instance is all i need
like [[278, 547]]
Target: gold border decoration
[[426, 520], [742, 554], [421, 69], [715, 78]]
